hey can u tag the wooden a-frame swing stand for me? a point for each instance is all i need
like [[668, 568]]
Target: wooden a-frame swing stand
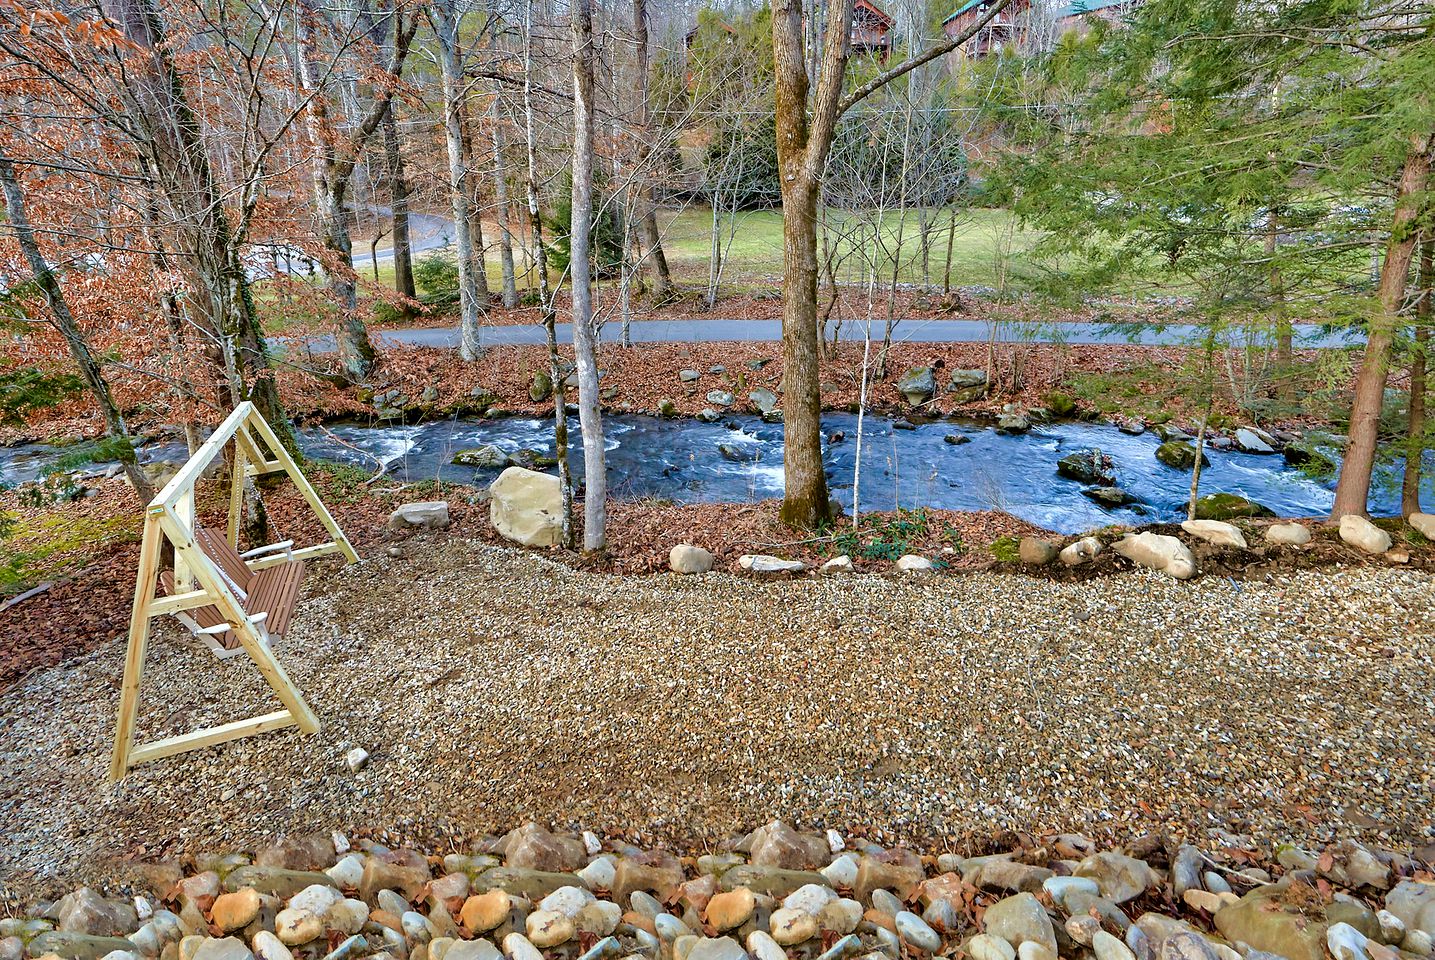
[[199, 583]]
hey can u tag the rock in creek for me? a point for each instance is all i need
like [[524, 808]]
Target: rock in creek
[[1110, 497], [1254, 440], [763, 399], [1012, 420], [1179, 454], [918, 385], [1087, 466], [1229, 506], [486, 457], [737, 454]]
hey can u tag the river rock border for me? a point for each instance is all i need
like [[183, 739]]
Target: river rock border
[[776, 893]]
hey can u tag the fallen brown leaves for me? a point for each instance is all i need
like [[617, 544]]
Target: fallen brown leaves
[[93, 581], [641, 377], [851, 303]]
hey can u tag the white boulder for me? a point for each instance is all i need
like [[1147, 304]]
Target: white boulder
[[762, 564], [686, 558], [1219, 532], [1424, 523], [527, 507], [1158, 552], [1080, 552], [1288, 534], [426, 515], [914, 564], [1363, 535]]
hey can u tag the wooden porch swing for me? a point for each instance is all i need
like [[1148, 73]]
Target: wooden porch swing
[[234, 603]]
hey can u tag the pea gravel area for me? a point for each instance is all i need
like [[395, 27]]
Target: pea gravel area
[[494, 686]]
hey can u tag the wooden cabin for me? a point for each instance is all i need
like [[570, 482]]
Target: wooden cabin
[[1024, 26], [871, 31]]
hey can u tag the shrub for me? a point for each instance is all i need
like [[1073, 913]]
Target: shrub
[[437, 279]]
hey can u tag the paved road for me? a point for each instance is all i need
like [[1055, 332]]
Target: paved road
[[427, 232], [917, 331]]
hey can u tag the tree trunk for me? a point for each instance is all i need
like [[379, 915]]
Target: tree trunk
[[804, 133], [445, 18], [1195, 490], [714, 254], [1352, 491], [399, 205], [805, 494], [1285, 359], [1419, 373], [475, 206], [947, 262], [220, 301], [545, 296], [802, 157], [501, 204], [590, 414], [75, 341], [331, 187], [187, 397], [643, 189]]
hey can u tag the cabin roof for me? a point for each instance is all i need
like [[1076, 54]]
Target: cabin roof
[[868, 5], [1069, 9]]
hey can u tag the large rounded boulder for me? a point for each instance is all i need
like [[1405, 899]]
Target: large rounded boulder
[[527, 507]]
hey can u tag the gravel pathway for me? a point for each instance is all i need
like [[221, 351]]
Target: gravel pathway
[[494, 686]]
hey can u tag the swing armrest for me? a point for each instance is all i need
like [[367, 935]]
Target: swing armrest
[[222, 628], [286, 545]]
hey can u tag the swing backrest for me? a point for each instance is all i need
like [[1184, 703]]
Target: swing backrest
[[216, 546]]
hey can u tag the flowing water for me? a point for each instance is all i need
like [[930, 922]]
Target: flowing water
[[739, 459], [682, 460]]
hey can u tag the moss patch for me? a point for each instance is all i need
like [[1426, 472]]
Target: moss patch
[[51, 545]]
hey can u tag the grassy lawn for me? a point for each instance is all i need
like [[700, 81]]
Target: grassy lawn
[[983, 241], [988, 249]]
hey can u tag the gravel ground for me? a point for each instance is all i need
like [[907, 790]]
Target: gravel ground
[[493, 686]]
